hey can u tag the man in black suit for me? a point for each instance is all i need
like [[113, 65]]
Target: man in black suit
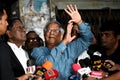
[[5, 66], [16, 34], [10, 66]]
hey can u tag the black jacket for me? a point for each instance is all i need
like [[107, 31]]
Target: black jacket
[[10, 67]]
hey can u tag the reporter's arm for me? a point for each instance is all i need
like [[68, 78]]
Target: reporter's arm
[[115, 76], [25, 77]]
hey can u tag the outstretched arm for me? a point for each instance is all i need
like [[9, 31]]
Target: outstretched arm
[[76, 17], [115, 76]]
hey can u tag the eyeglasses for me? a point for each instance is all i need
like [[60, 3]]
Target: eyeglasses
[[53, 30], [32, 40], [19, 28]]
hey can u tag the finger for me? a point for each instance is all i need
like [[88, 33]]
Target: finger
[[39, 78], [109, 66], [110, 62], [72, 8], [67, 11], [69, 27], [76, 8], [71, 21], [111, 69], [73, 37], [69, 8]]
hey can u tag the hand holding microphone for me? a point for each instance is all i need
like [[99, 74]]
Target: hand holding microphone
[[96, 64], [110, 65], [46, 72], [26, 77], [41, 70]]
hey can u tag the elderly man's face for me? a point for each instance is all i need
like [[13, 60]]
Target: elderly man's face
[[53, 35], [17, 32]]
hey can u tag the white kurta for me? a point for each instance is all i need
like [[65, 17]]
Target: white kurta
[[21, 54]]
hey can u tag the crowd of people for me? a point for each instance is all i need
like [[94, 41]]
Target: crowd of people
[[60, 47]]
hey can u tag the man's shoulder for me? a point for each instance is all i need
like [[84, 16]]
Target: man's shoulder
[[3, 44], [41, 48]]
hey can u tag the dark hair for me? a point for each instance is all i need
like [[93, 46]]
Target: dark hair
[[32, 32], [111, 25], [1, 11], [11, 22]]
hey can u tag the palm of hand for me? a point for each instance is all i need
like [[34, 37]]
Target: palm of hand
[[75, 16]]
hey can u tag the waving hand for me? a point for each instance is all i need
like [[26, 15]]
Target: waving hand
[[72, 11]]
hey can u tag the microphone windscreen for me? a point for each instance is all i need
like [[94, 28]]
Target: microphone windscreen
[[51, 74], [87, 62], [76, 67], [82, 63], [47, 65], [30, 62], [30, 66]]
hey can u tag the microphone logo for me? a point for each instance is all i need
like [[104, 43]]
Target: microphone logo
[[30, 69], [50, 72]]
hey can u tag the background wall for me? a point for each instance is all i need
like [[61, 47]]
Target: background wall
[[92, 11], [88, 4]]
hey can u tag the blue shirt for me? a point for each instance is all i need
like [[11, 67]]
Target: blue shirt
[[63, 56]]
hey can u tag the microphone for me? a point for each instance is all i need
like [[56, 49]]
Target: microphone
[[92, 60], [96, 63], [95, 54], [45, 67], [96, 74], [30, 66], [76, 67], [83, 65], [84, 59], [81, 72], [51, 74], [83, 55], [85, 62]]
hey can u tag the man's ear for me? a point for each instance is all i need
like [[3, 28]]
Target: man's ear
[[61, 36], [8, 33]]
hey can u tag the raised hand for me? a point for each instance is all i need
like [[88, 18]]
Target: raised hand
[[68, 38], [72, 11]]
